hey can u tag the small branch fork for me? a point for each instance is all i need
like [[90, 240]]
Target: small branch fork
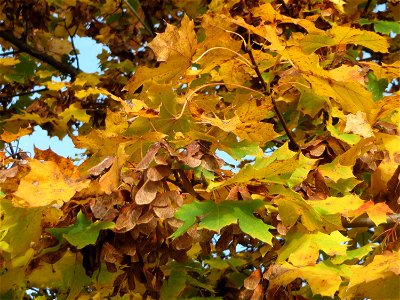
[[293, 144]]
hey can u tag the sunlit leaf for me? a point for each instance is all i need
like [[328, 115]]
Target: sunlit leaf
[[84, 232]]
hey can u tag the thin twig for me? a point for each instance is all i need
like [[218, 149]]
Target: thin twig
[[24, 93], [365, 11], [71, 36], [293, 142], [139, 18]]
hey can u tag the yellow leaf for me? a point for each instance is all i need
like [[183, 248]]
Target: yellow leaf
[[258, 132], [339, 4], [91, 79], [358, 124], [55, 86], [376, 212], [341, 85], [75, 110], [88, 92], [302, 247], [111, 180], [46, 185], [175, 42], [8, 61], [8, 137], [377, 280], [347, 35], [323, 278], [226, 125], [386, 71]]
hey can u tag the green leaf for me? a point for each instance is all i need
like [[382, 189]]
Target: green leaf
[[303, 247], [385, 27], [358, 254], [216, 216], [376, 86], [312, 42], [174, 285], [67, 273], [189, 213], [82, 233]]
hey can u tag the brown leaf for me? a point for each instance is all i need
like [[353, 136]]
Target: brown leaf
[[146, 217], [110, 254], [233, 193], [167, 198], [210, 163], [158, 172], [253, 280], [147, 159], [164, 212], [147, 193], [258, 293], [103, 206], [128, 217], [183, 242], [8, 173], [101, 167]]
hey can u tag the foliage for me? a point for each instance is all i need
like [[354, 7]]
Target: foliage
[[303, 95]]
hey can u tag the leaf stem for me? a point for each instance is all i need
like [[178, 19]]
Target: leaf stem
[[212, 84], [293, 142], [245, 61]]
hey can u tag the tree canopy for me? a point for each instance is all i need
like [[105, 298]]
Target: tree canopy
[[237, 149]]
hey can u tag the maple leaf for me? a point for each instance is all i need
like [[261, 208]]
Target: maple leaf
[[37, 190]]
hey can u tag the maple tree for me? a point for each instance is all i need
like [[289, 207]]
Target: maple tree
[[303, 95]]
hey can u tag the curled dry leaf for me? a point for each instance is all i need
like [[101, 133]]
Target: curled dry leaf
[[210, 163], [147, 193], [8, 173], [127, 218], [164, 212], [147, 159], [101, 167], [103, 206], [253, 280], [110, 254], [167, 198], [158, 172]]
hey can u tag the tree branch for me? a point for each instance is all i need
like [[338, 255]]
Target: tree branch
[[293, 142], [364, 221], [64, 68], [23, 93]]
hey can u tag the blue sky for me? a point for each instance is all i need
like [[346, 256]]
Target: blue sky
[[89, 63]]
